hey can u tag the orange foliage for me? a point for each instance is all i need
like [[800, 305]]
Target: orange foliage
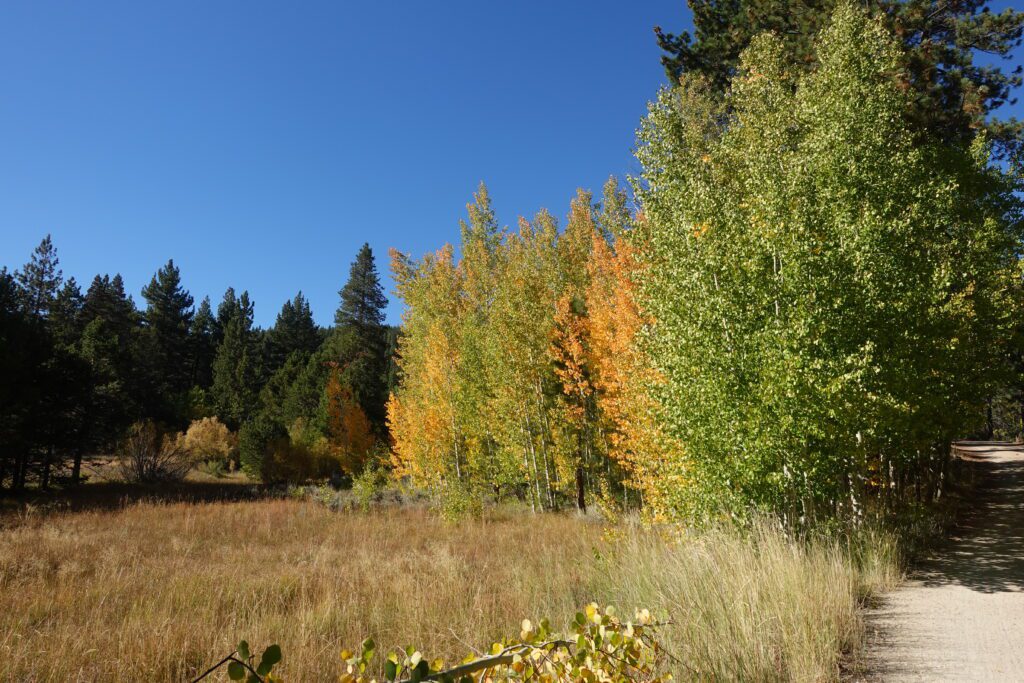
[[622, 375], [348, 429]]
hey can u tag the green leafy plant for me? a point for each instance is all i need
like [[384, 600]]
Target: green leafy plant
[[242, 665], [599, 647]]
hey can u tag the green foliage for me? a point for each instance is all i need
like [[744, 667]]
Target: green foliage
[[826, 287], [938, 41], [203, 345], [360, 343], [368, 484], [257, 440], [242, 665], [213, 468], [235, 368], [293, 332], [457, 501], [167, 321], [90, 365], [40, 279]]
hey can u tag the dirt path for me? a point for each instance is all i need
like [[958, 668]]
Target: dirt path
[[960, 617]]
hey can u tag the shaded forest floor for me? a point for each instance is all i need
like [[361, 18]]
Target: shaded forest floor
[[102, 489]]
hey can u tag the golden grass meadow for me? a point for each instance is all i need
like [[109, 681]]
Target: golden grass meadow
[[158, 591]]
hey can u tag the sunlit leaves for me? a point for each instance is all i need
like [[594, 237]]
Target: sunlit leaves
[[813, 270], [599, 647]]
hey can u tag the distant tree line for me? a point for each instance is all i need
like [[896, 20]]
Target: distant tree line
[[80, 368]]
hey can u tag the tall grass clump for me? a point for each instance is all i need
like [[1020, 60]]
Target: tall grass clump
[[756, 604]]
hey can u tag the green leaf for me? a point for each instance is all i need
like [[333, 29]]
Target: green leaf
[[369, 645], [272, 655], [236, 671], [390, 669], [421, 671], [243, 650]]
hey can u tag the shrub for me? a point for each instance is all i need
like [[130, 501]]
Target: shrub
[[213, 468], [368, 484], [288, 461], [458, 501], [209, 439], [254, 443], [146, 455]]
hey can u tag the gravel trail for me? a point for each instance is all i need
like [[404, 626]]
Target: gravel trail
[[960, 616]]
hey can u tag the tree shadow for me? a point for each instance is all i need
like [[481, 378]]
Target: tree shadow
[[985, 551], [114, 495]]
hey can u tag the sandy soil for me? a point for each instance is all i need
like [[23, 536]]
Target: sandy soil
[[960, 617]]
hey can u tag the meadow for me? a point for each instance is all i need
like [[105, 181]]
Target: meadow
[[158, 591]]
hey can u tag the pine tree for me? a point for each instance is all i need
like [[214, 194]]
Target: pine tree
[[40, 279], [20, 392], [108, 342], [953, 96], [235, 367], [203, 335], [168, 318], [361, 337], [66, 314], [293, 331]]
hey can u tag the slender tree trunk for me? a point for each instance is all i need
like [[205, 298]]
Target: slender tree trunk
[[990, 428], [533, 456], [581, 499], [76, 467], [19, 472], [1020, 417], [44, 482], [543, 441]]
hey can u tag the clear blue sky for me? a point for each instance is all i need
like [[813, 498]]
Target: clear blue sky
[[259, 144]]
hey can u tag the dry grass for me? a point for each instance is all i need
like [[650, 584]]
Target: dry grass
[[156, 591], [757, 607]]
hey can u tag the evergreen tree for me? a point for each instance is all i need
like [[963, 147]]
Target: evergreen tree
[[294, 331], [66, 314], [361, 341], [227, 307], [40, 279], [106, 300], [953, 96], [168, 319], [203, 344], [109, 323], [235, 368], [19, 392]]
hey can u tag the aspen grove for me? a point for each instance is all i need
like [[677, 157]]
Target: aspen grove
[[809, 301]]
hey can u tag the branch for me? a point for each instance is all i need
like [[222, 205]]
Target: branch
[[230, 658], [502, 658]]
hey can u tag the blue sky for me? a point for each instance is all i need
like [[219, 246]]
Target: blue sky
[[259, 144]]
